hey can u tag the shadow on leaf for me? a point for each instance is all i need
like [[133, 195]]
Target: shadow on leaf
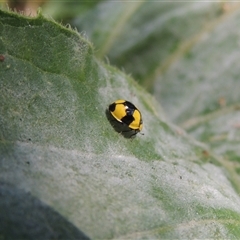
[[25, 217]]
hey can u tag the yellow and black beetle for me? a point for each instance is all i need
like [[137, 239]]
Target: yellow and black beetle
[[127, 116]]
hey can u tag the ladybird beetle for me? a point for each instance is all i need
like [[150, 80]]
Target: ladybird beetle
[[129, 117]]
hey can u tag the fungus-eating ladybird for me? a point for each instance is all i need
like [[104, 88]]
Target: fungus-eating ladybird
[[127, 114]]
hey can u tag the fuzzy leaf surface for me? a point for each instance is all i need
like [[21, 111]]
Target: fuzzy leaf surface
[[58, 152]]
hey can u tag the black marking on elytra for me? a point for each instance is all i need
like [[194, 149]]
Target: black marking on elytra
[[112, 107], [128, 119], [130, 105], [120, 127]]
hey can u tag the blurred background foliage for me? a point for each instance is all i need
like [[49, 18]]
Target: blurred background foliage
[[144, 37]]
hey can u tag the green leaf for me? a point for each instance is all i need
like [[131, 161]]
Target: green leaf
[[139, 36], [205, 78], [67, 9], [220, 130], [58, 152], [200, 90]]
